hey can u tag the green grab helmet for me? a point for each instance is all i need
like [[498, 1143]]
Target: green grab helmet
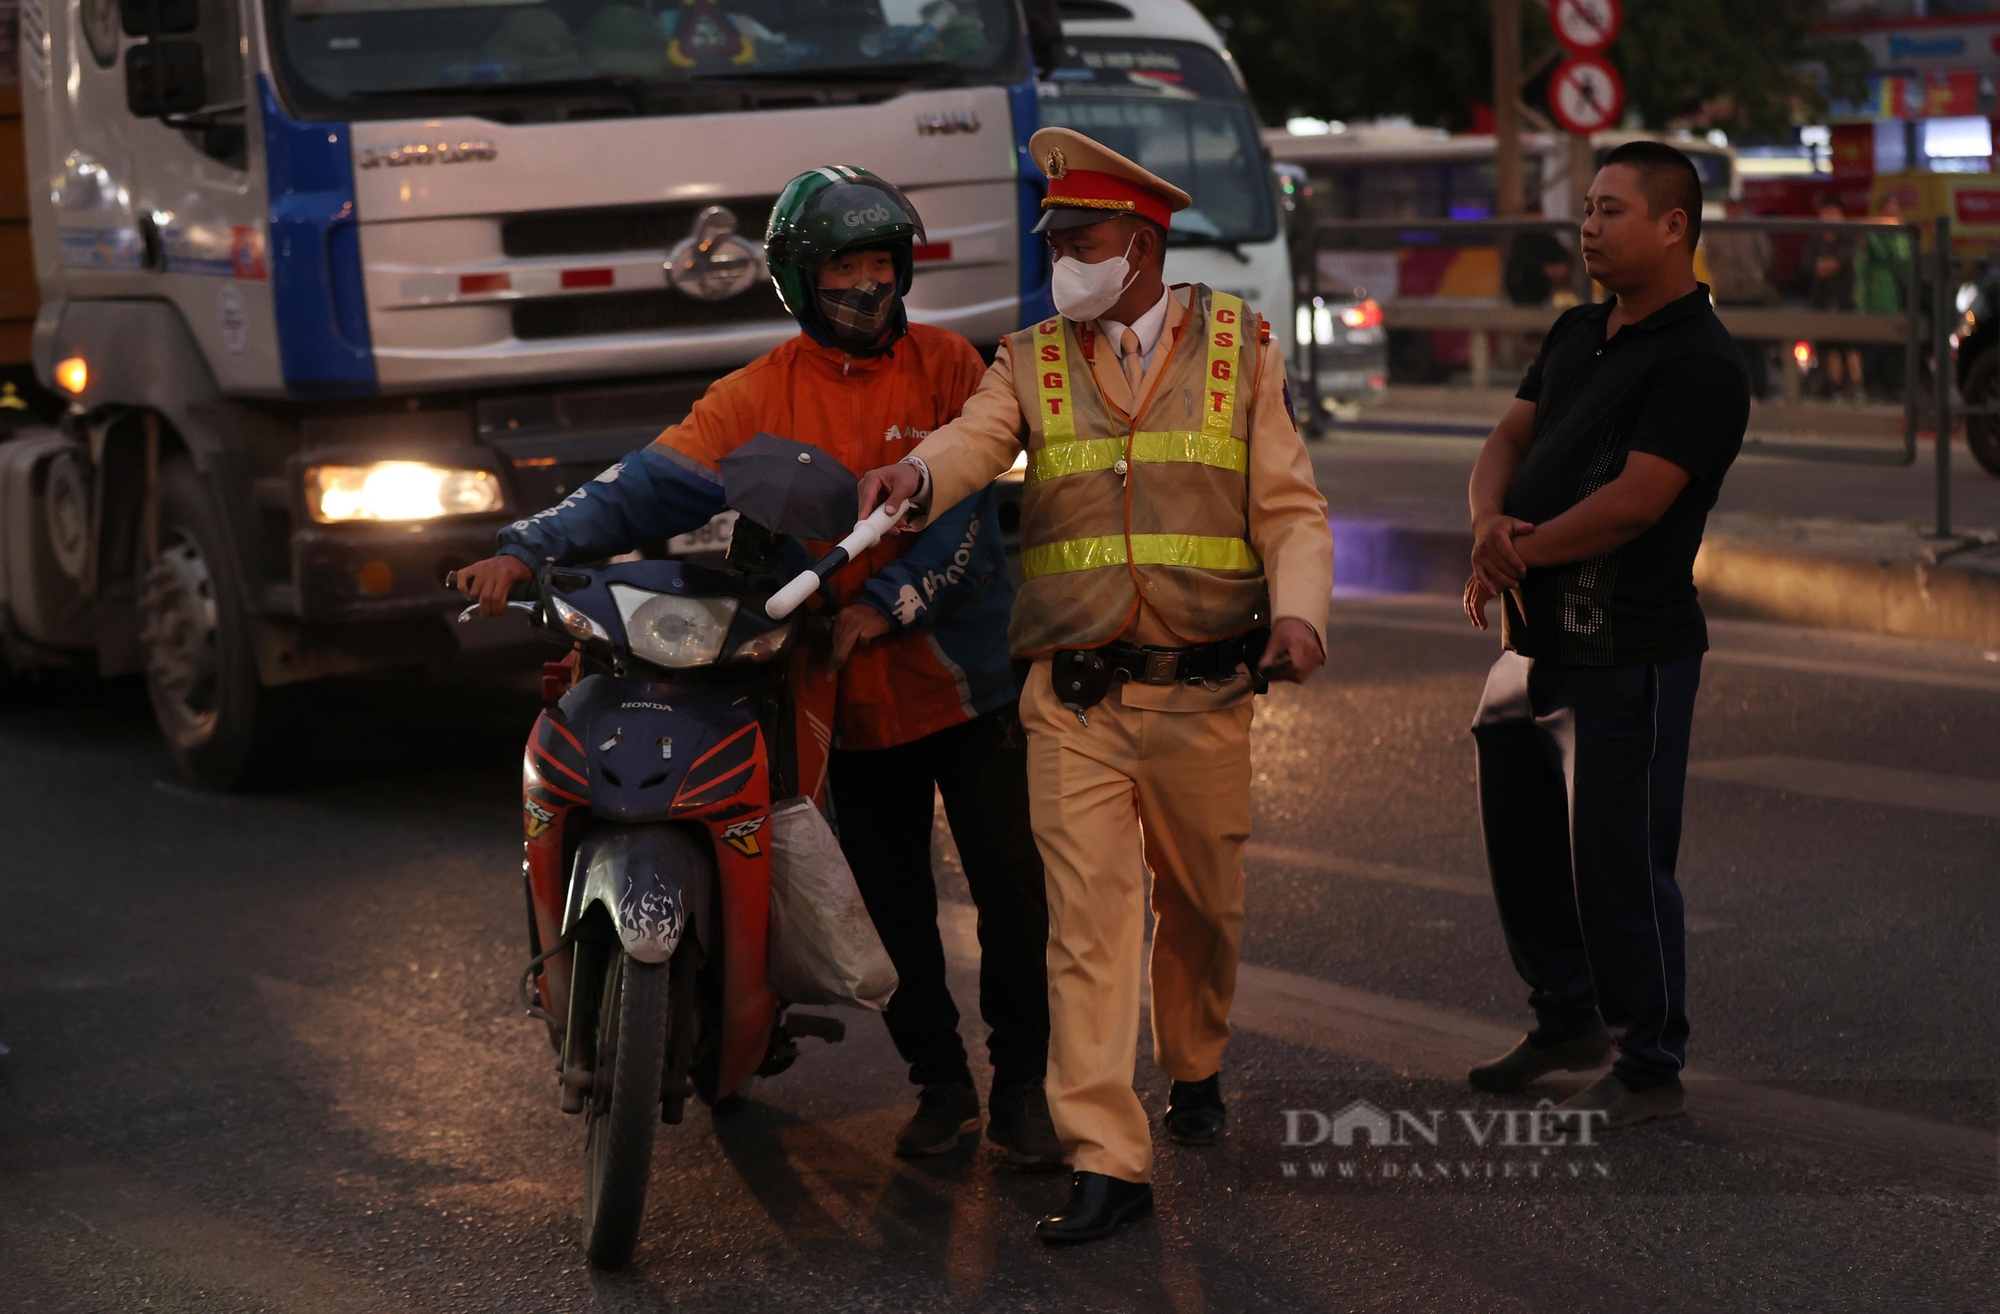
[[823, 212]]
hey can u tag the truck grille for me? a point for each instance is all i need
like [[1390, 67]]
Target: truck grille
[[628, 228], [641, 312]]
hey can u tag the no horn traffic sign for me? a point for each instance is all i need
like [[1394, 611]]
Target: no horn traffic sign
[[1586, 95], [1585, 27]]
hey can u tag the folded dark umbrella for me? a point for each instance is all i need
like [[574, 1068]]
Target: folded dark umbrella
[[791, 488]]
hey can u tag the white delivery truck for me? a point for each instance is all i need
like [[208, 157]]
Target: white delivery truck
[[326, 290], [1153, 81]]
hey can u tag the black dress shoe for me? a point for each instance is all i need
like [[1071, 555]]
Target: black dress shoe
[[1195, 1112], [1097, 1207], [1528, 1060]]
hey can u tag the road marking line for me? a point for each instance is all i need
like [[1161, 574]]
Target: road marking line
[[1474, 887], [1730, 647], [1423, 1040], [1389, 873], [1855, 783]]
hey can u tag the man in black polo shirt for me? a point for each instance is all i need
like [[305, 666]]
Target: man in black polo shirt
[[1588, 504]]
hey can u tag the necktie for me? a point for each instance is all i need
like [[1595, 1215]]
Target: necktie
[[1135, 368]]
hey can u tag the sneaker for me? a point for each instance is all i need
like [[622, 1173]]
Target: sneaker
[[945, 1112], [1017, 1120]]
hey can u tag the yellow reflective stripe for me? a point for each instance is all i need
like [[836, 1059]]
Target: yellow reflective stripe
[[1077, 457], [1052, 365], [1190, 550], [1225, 338], [1221, 451], [1090, 454]]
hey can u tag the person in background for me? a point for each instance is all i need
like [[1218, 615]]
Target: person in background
[[924, 703], [1739, 266], [1831, 261], [1882, 287], [1588, 505]]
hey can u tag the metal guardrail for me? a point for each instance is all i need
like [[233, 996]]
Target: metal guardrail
[[1922, 328]]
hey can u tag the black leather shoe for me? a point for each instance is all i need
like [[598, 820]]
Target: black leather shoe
[[1097, 1207], [1195, 1112], [1527, 1060]]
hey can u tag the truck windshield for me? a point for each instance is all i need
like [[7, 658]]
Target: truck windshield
[[351, 56], [1175, 108]]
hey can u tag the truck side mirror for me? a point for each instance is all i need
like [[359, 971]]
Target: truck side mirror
[[163, 78], [173, 16]]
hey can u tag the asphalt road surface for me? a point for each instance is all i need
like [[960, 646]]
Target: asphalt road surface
[[264, 1054]]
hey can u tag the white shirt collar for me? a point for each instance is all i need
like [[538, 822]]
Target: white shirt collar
[[1148, 327]]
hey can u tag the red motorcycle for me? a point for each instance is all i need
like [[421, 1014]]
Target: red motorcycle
[[687, 704], [682, 710]]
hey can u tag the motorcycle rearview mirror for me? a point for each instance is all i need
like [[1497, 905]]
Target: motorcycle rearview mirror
[[753, 549]]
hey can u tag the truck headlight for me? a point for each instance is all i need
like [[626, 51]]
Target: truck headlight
[[669, 630], [398, 490]]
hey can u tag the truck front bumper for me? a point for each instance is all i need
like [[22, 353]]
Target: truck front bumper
[[369, 572]]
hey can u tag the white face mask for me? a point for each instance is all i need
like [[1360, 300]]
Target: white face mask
[[1083, 292]]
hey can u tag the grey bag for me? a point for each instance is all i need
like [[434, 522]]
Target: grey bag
[[823, 945]]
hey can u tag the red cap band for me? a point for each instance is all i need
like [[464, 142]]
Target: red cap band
[[1088, 189]]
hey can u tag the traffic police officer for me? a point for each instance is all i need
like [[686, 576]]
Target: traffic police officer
[[1170, 523]]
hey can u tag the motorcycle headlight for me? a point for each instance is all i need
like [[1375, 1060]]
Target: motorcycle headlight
[[669, 630], [398, 490], [765, 646], [578, 625]]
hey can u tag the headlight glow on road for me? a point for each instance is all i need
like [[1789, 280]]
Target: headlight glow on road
[[398, 490]]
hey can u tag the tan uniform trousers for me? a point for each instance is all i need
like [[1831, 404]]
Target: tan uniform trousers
[[1135, 789]]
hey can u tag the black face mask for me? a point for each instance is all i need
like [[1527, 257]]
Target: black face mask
[[857, 315]]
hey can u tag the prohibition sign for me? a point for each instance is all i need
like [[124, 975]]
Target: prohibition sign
[[1585, 27], [1586, 95]]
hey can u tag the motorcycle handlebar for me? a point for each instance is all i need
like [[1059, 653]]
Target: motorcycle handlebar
[[521, 590]]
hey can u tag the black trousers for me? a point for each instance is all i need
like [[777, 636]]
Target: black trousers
[[883, 800], [1581, 774]]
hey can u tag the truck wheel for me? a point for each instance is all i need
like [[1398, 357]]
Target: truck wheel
[[1982, 388], [221, 725]]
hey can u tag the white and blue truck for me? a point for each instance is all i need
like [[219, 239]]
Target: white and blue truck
[[301, 299]]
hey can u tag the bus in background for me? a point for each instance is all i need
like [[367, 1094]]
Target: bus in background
[[1408, 173], [1153, 81]]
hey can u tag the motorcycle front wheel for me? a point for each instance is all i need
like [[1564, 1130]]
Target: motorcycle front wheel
[[624, 1105]]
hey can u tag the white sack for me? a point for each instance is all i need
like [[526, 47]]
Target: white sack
[[824, 949]]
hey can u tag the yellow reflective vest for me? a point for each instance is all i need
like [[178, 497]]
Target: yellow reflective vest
[[1150, 511]]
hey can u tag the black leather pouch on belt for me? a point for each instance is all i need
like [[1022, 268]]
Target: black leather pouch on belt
[[1082, 676]]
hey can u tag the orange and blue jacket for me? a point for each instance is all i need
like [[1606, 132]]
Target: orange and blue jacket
[[945, 591]]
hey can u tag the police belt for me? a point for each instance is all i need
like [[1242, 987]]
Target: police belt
[[1083, 676]]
